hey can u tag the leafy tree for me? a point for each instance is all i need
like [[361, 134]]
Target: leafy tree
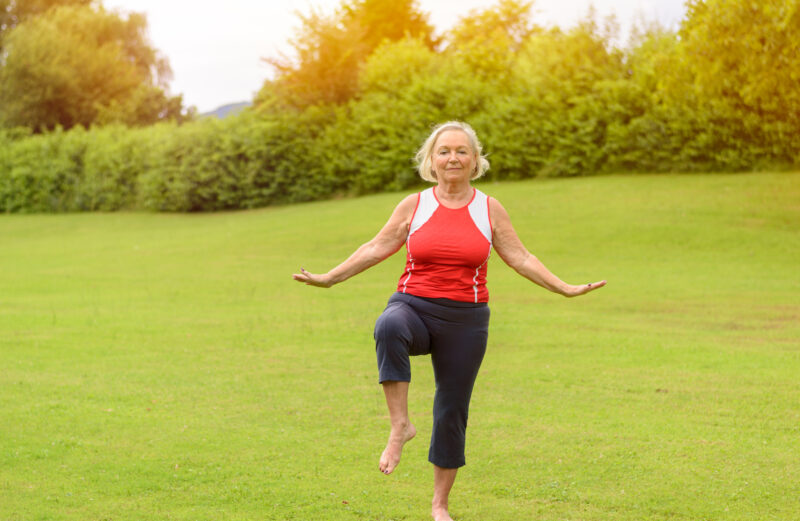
[[406, 89], [393, 66], [488, 40], [13, 12], [651, 126], [325, 67], [746, 52], [76, 65], [744, 58], [376, 21], [555, 117], [330, 49]]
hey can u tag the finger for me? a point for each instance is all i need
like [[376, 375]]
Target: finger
[[302, 276]]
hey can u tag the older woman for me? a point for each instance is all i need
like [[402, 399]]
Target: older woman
[[440, 307]]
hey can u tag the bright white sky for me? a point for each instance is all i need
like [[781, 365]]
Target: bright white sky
[[215, 52]]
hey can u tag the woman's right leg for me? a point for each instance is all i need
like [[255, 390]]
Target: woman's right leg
[[402, 429], [399, 332]]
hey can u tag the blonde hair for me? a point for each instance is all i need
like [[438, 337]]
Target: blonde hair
[[425, 161]]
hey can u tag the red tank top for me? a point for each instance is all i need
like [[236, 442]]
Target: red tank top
[[447, 249]]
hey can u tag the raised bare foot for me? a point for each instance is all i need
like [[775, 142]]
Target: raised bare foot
[[440, 514], [394, 448]]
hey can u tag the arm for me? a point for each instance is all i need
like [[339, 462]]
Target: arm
[[387, 242], [513, 252]]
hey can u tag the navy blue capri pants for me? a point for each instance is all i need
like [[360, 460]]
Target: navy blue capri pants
[[454, 334]]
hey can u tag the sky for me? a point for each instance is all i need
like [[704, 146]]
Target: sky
[[216, 54]]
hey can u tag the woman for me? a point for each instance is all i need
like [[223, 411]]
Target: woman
[[440, 307]]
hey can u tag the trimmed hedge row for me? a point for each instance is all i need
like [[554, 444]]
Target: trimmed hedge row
[[242, 162]]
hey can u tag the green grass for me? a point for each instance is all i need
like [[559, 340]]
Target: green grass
[[167, 367]]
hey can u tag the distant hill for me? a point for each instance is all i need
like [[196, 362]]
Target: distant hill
[[226, 110]]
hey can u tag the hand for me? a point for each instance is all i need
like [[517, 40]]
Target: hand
[[321, 281], [576, 291]]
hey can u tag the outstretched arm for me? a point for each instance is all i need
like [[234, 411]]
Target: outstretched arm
[[507, 244], [389, 240]]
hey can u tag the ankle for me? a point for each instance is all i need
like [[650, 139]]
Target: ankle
[[438, 504], [401, 425]]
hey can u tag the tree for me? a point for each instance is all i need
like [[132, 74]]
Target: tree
[[553, 119], [746, 51], [331, 49], [393, 66], [489, 40], [744, 58], [77, 65], [325, 67], [377, 21], [14, 12]]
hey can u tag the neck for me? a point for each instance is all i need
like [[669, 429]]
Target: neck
[[455, 193]]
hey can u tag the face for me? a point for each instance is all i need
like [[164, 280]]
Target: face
[[453, 158]]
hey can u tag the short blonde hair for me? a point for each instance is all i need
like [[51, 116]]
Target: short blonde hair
[[425, 161]]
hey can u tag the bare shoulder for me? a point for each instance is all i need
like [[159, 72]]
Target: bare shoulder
[[495, 206], [505, 239], [409, 202], [405, 208], [396, 228], [498, 214]]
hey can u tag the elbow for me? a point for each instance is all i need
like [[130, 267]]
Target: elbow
[[386, 250], [518, 262], [376, 253]]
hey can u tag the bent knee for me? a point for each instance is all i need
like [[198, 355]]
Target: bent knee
[[393, 323], [399, 325]]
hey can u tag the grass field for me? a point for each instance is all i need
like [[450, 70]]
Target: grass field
[[166, 367]]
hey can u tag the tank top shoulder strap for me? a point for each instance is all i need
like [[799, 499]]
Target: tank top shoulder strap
[[479, 211], [426, 205]]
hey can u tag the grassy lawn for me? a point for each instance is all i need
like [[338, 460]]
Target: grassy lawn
[[166, 367]]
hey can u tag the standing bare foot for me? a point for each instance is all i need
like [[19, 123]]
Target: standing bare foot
[[394, 448], [440, 514]]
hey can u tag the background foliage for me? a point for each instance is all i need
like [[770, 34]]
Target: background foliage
[[66, 64], [346, 113]]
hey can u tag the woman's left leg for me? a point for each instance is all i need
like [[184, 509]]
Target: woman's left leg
[[457, 349], [443, 480], [456, 355]]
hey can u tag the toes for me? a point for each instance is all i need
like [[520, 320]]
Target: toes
[[384, 465], [391, 454]]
